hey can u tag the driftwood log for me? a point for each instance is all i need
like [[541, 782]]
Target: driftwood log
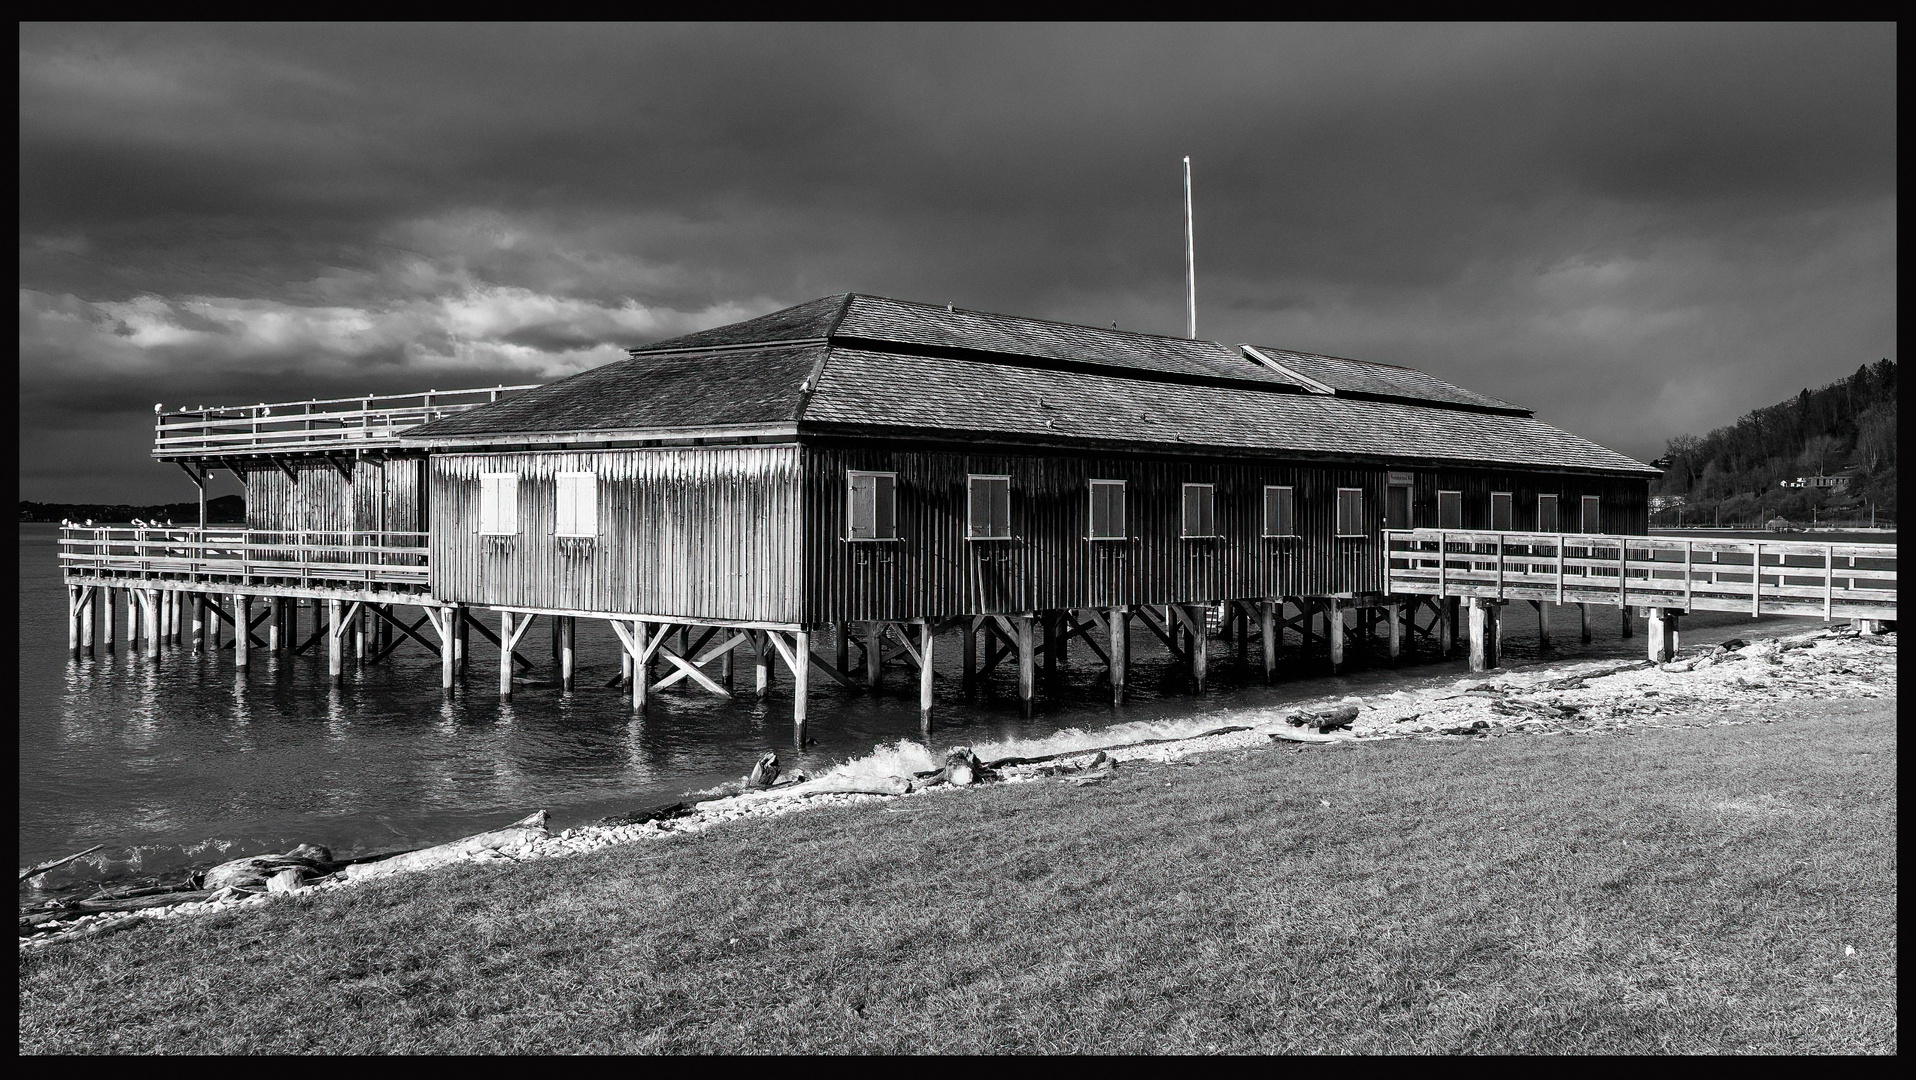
[[255, 871], [764, 771], [54, 864], [1332, 719], [531, 827], [655, 813]]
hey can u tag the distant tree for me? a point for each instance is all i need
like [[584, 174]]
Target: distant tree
[[1818, 451], [1876, 435]]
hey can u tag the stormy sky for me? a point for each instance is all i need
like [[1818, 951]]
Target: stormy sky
[[1637, 231]]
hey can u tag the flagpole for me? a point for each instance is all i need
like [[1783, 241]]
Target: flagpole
[[1190, 259]]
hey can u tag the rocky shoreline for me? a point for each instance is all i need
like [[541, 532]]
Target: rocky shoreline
[[1589, 698]]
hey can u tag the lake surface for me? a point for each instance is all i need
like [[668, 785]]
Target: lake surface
[[183, 762]]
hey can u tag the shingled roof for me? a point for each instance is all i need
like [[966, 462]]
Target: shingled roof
[[853, 364]]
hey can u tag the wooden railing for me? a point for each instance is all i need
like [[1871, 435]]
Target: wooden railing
[[1762, 577], [236, 556], [292, 426]]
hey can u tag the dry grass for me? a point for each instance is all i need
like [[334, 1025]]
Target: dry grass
[[1687, 890]]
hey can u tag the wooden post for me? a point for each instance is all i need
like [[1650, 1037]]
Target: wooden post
[[1334, 623], [874, 653], [132, 619], [971, 654], [443, 622], [1629, 624], [1048, 624], [1451, 622], [272, 624], [505, 654], [924, 673], [1027, 669], [150, 620], [842, 647], [1200, 643], [106, 620], [567, 628], [1543, 624], [360, 615], [1663, 646], [1396, 611], [1483, 633], [1267, 632], [196, 603], [335, 643], [641, 672], [801, 682], [1583, 623], [1119, 622], [463, 639], [762, 664], [243, 618]]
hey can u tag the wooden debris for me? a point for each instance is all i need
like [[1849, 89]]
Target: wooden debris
[[655, 813], [1333, 719], [765, 772], [255, 871], [54, 864]]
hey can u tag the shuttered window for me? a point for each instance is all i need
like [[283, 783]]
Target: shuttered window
[[1107, 510], [1500, 511], [498, 504], [1450, 509], [578, 504], [1350, 512], [1278, 519], [1547, 520], [1198, 520], [1592, 523], [989, 501], [873, 510]]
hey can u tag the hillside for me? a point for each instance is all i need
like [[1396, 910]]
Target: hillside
[[1736, 473]]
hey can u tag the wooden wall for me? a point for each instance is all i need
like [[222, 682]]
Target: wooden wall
[[695, 532], [380, 497], [1624, 504], [932, 570]]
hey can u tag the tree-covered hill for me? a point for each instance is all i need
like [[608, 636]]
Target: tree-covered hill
[[1736, 473]]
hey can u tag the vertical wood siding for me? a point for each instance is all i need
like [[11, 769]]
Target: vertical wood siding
[[932, 570], [380, 497], [1624, 503], [694, 532]]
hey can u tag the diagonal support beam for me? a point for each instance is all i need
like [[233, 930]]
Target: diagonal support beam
[[734, 642], [494, 638]]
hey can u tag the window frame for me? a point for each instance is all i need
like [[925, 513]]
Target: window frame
[[851, 507], [1584, 514], [971, 493], [1124, 510], [1457, 504], [1510, 511], [488, 486], [1556, 511], [1290, 510], [1338, 515], [1210, 511], [559, 503]]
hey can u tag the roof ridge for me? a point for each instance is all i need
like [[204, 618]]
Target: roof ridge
[[953, 309], [1345, 359]]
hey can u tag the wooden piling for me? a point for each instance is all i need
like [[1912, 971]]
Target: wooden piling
[[505, 654], [196, 609], [1118, 641], [801, 683], [1197, 616], [1663, 626], [641, 672], [1027, 668], [335, 644], [132, 619], [567, 628], [841, 647], [462, 636], [1629, 625], [73, 620], [762, 664], [150, 619], [1396, 611], [1483, 633], [106, 620], [1334, 626], [874, 653], [1267, 633], [924, 673], [1048, 624], [243, 626], [970, 658], [1583, 623], [1543, 624]]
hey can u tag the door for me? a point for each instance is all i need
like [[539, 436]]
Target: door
[[1397, 508]]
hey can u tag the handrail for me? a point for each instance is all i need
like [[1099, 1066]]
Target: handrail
[[252, 556], [1686, 573], [290, 425]]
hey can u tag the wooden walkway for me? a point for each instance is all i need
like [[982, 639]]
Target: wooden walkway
[[1761, 577]]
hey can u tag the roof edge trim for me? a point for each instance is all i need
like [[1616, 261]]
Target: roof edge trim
[[1304, 380]]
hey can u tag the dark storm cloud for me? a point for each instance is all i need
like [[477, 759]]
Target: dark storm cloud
[[1637, 230]]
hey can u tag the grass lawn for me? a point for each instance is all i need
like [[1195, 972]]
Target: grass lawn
[[1682, 890]]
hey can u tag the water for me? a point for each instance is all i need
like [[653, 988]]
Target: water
[[184, 762]]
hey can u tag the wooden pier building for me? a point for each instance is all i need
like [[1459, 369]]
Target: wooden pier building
[[836, 487]]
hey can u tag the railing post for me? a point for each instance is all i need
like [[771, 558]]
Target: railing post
[[1688, 585], [1829, 580]]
